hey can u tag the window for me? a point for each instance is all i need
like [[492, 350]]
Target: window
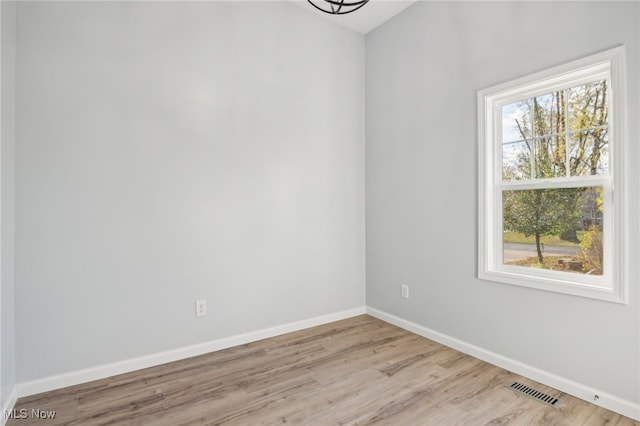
[[551, 179]]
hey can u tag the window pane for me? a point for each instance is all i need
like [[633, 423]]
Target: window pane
[[516, 124], [543, 155], [589, 153], [550, 155], [516, 160], [588, 107], [549, 114], [558, 229]]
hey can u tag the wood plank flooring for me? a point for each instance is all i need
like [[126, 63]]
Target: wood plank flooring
[[358, 371]]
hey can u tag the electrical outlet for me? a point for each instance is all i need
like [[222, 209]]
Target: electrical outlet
[[404, 291], [201, 307]]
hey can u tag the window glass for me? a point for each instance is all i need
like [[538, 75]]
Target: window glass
[[557, 229]]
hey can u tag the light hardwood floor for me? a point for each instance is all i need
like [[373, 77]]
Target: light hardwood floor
[[356, 371]]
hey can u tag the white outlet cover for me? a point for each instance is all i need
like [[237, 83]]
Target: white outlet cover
[[404, 291], [201, 307]]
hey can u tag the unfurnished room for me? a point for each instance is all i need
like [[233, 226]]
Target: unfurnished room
[[320, 212]]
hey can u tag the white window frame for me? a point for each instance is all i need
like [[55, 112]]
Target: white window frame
[[611, 286]]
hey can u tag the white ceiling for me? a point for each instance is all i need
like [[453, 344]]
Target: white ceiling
[[365, 19]]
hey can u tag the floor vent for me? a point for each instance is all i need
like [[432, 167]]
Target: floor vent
[[532, 393]]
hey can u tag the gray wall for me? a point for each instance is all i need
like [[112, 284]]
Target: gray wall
[[423, 70], [7, 289], [172, 151]]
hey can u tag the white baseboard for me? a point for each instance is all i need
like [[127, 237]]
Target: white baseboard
[[108, 370], [8, 406], [610, 402]]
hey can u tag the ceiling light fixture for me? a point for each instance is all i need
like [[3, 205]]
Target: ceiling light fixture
[[337, 7]]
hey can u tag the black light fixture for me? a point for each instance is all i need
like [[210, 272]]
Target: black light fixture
[[337, 7]]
